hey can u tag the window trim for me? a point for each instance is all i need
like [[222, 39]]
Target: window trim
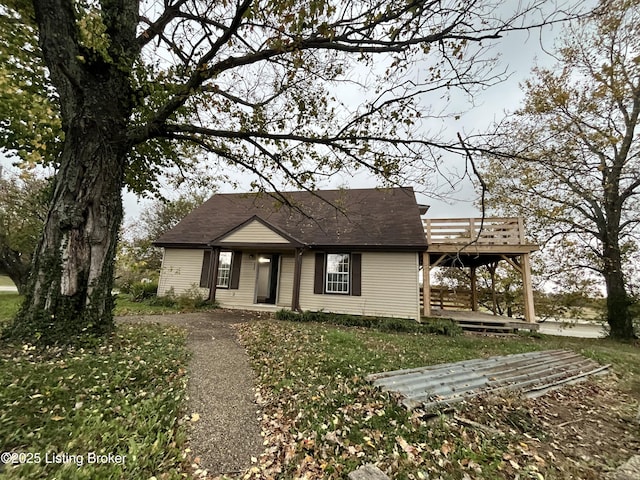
[[348, 275], [229, 270]]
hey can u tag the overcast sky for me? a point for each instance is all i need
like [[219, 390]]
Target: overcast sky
[[518, 53]]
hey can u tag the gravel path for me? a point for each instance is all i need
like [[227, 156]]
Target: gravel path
[[220, 390]]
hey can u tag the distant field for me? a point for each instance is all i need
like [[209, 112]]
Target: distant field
[[5, 281]]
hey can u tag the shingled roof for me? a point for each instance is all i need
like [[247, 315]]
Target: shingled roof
[[361, 218]]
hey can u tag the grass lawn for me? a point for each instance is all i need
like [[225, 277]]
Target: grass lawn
[[322, 419], [126, 306], [10, 302], [6, 281], [61, 409]]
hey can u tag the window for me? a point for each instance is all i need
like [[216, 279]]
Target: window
[[341, 273], [224, 270], [337, 279]]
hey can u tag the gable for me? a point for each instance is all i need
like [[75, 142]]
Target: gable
[[252, 232]]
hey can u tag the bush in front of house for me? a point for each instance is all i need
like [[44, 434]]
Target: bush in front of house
[[384, 324], [190, 299], [442, 326], [141, 291], [163, 301]]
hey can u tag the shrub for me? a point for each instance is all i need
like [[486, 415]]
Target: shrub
[[287, 315], [383, 324], [143, 290], [192, 298], [164, 301], [443, 326]]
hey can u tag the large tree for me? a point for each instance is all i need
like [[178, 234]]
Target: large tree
[[570, 158], [23, 208], [299, 87]]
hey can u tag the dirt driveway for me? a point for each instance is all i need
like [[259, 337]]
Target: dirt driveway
[[220, 390]]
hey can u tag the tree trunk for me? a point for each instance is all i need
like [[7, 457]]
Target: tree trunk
[[618, 302], [15, 268], [17, 271], [69, 292]]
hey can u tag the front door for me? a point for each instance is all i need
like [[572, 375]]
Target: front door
[[267, 278]]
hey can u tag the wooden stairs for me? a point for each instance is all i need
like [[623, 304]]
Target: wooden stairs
[[483, 323], [484, 326]]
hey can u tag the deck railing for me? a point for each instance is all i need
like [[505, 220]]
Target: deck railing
[[446, 299], [490, 231]]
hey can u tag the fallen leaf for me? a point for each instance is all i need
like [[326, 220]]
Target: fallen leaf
[[445, 448]]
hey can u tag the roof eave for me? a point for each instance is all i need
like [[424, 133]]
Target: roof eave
[[180, 245]]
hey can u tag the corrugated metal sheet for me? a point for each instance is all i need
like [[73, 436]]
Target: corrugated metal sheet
[[532, 373]]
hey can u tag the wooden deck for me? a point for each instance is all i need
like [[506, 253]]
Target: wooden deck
[[473, 236], [475, 242]]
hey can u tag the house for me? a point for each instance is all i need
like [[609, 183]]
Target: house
[[361, 251], [344, 251]]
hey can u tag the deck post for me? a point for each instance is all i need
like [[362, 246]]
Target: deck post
[[474, 291], [426, 285], [529, 310], [521, 230], [494, 298]]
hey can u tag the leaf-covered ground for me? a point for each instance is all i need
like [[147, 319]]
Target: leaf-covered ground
[[321, 419], [10, 303], [122, 397]]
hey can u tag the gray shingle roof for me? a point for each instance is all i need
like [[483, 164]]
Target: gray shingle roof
[[364, 218]]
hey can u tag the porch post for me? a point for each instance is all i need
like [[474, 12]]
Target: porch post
[[297, 271], [426, 284], [213, 273], [474, 291], [494, 299], [529, 309]]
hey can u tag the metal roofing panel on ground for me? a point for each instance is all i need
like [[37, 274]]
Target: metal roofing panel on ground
[[444, 384]]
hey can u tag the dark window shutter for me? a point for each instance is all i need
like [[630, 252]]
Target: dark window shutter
[[236, 261], [318, 278], [356, 274], [204, 274]]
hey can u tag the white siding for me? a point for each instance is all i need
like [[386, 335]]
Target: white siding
[[389, 283], [285, 287], [389, 287], [244, 295], [181, 269], [254, 232]]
